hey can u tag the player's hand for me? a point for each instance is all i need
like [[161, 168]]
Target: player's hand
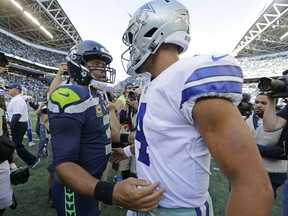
[[128, 195], [117, 155]]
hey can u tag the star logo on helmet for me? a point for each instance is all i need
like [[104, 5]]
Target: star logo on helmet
[[146, 7]]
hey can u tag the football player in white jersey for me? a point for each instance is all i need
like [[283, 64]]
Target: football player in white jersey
[[187, 111]]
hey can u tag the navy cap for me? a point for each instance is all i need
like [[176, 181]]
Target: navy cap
[[130, 85], [14, 85]]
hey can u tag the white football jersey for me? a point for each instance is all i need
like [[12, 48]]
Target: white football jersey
[[168, 146]]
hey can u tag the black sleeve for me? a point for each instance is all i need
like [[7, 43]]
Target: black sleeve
[[283, 113], [272, 152], [33, 105], [14, 120]]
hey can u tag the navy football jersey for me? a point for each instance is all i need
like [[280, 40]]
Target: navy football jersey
[[79, 125]]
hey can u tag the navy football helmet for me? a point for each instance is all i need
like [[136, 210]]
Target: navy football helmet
[[80, 54]]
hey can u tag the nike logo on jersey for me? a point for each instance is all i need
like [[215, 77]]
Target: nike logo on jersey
[[216, 58], [64, 94]]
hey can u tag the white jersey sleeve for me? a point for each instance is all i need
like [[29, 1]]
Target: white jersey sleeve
[[216, 75]]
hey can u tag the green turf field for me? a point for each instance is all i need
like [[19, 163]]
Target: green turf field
[[32, 196]]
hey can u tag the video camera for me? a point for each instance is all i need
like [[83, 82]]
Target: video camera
[[276, 88]]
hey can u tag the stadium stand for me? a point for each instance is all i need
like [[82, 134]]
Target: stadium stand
[[10, 45]]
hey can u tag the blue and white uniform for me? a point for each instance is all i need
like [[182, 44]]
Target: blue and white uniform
[[168, 146], [80, 133]]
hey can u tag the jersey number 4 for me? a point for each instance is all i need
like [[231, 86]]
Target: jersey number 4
[[140, 136]]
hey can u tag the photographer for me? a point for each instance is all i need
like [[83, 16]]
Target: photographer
[[245, 106], [127, 119], [273, 121], [268, 144]]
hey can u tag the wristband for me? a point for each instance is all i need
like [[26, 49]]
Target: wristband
[[124, 137], [127, 151], [103, 192]]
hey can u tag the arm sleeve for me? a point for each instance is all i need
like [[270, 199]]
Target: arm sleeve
[[33, 105], [273, 152], [212, 80], [65, 139], [14, 120]]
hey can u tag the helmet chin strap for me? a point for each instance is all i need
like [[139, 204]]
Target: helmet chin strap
[[89, 88], [98, 84]]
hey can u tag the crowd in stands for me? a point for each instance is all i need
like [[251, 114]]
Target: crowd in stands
[[253, 67], [34, 87], [15, 47], [270, 66]]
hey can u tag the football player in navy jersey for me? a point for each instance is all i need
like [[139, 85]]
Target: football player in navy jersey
[[187, 111], [81, 140]]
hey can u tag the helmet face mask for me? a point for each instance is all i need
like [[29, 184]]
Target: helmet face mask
[[82, 53], [153, 24]]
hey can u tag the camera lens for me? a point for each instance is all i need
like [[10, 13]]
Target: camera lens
[[132, 95], [268, 84]]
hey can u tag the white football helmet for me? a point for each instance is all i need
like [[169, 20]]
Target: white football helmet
[[156, 22]]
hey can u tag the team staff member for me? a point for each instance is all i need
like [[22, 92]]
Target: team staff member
[[187, 111], [81, 140], [18, 116]]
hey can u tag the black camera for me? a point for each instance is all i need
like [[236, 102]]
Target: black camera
[[20, 176], [133, 96], [275, 87], [245, 106]]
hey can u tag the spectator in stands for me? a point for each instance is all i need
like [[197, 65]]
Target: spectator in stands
[[16, 47], [187, 111], [18, 117], [80, 160], [267, 143], [3, 69]]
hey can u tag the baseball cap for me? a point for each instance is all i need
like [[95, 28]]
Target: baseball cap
[[14, 85], [130, 85]]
